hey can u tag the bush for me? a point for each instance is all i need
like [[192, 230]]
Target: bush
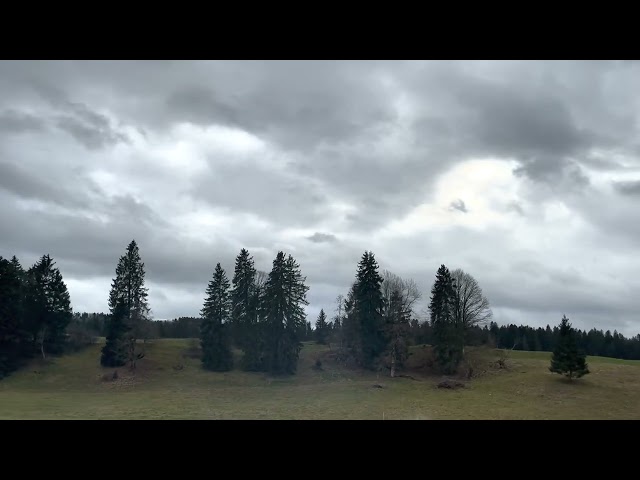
[[503, 359]]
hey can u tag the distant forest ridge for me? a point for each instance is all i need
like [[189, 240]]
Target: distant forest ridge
[[593, 342]]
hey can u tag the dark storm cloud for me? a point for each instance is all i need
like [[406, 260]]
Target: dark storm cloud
[[298, 105], [346, 148], [322, 237], [512, 122], [489, 118]]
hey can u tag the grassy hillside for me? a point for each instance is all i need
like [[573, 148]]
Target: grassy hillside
[[170, 384]]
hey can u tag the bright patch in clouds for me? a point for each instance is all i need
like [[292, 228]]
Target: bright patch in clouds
[[486, 187]]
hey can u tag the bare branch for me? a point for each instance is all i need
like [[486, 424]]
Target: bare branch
[[260, 278], [471, 306], [408, 289]]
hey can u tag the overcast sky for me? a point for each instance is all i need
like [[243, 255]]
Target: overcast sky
[[524, 174]]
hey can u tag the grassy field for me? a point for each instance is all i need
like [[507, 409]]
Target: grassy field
[[170, 384]]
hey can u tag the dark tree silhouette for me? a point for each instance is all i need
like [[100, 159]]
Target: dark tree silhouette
[[322, 329], [12, 334], [216, 349], [129, 310], [47, 305], [242, 298], [365, 322], [283, 309], [448, 336], [567, 359]]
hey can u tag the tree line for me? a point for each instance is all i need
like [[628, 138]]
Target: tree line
[[89, 326], [86, 326], [593, 342], [263, 315]]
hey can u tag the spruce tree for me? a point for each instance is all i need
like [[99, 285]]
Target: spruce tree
[[253, 332], [321, 328], [242, 297], [308, 332], [48, 306], [284, 316], [367, 332], [567, 359], [448, 335], [11, 308], [247, 331], [114, 352], [129, 310], [214, 334]]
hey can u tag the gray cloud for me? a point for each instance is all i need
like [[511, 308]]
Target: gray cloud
[[553, 171], [15, 179], [322, 237], [628, 188], [12, 121], [458, 205], [290, 103], [264, 191], [516, 207], [89, 128], [85, 134], [94, 154], [199, 105]]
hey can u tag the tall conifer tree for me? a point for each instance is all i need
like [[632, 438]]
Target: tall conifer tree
[[214, 334]]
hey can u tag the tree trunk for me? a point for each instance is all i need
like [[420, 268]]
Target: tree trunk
[[42, 344], [393, 362], [132, 354]]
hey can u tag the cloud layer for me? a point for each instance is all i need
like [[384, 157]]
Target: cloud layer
[[524, 174]]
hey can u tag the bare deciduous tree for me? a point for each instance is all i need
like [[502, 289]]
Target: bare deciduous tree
[[400, 297], [260, 278], [471, 306], [408, 289], [338, 321], [339, 306]]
